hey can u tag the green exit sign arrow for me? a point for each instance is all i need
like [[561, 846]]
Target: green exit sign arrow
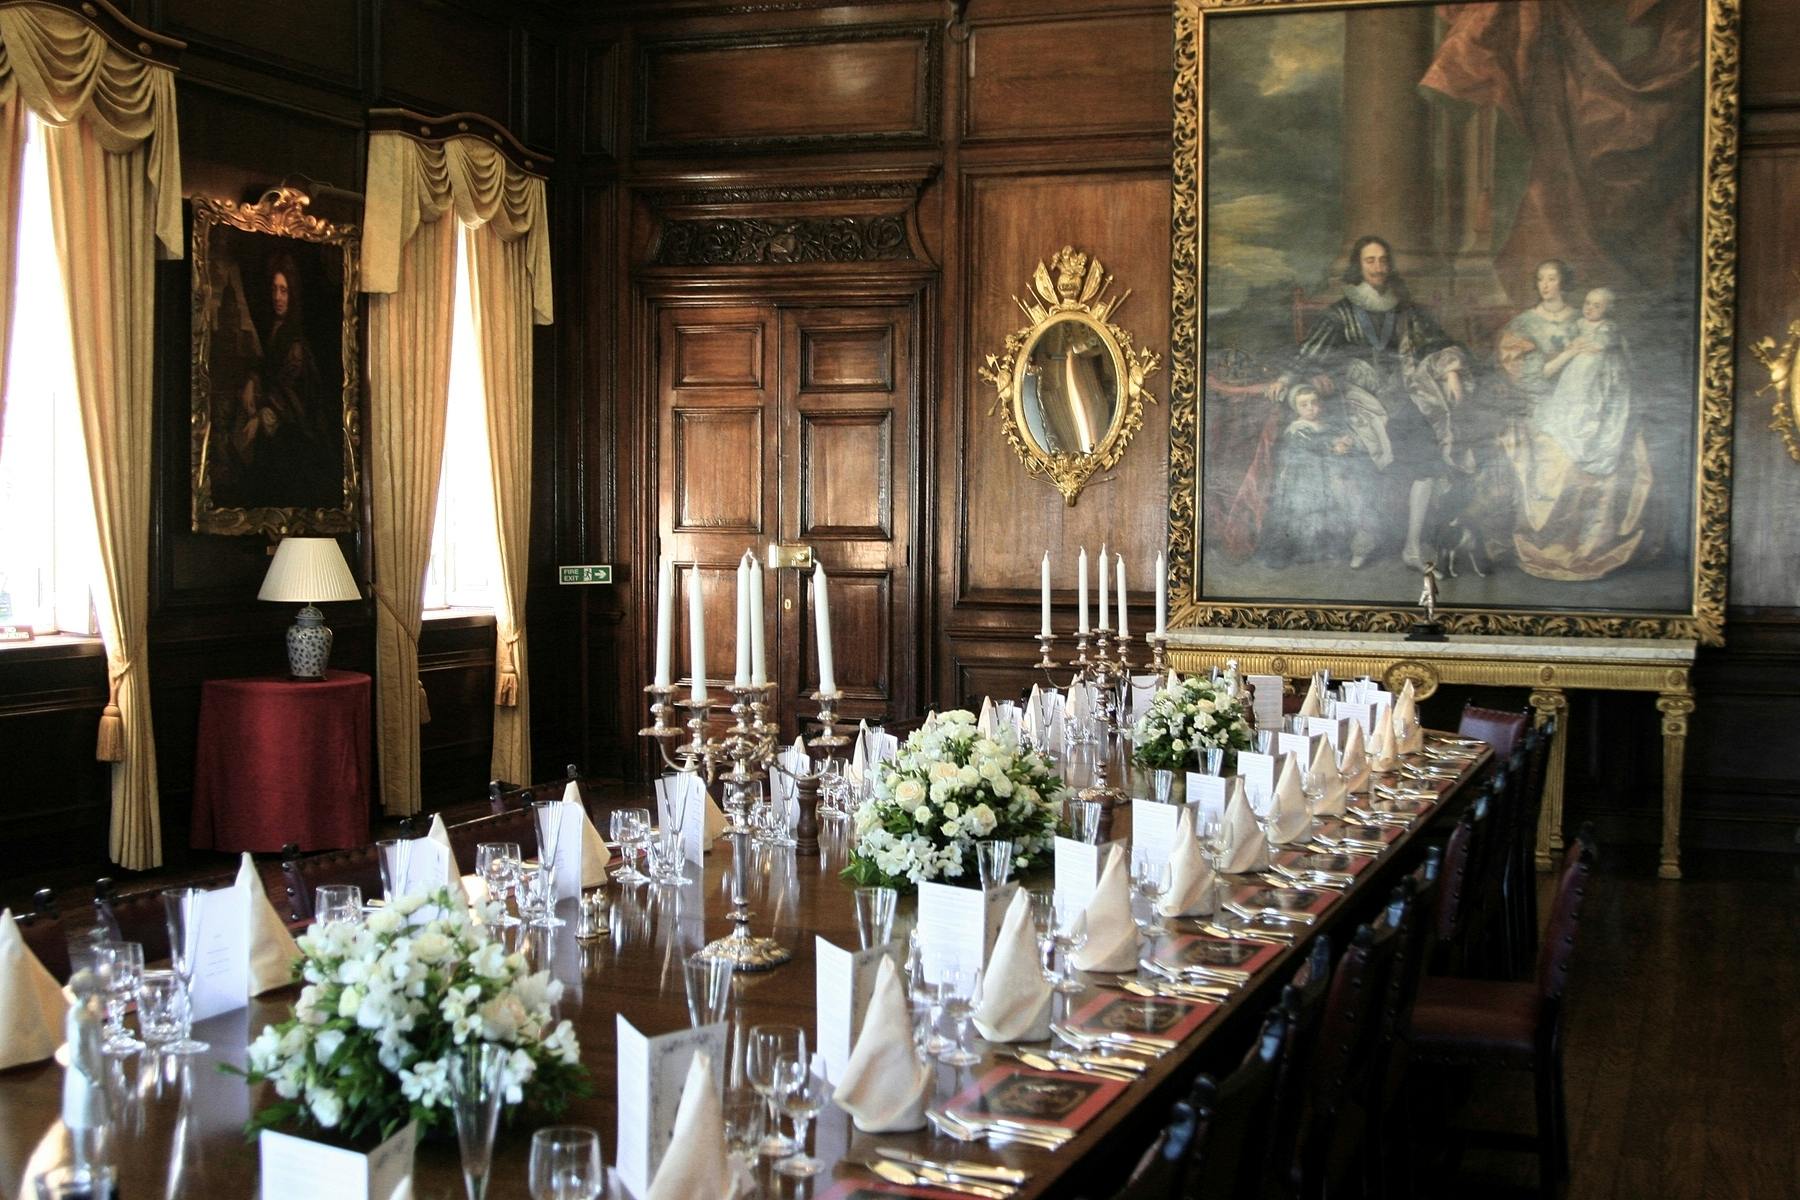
[[592, 573]]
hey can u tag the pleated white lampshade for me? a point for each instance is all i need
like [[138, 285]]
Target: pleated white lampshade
[[310, 570]]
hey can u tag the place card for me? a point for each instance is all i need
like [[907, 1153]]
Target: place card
[[1303, 744], [301, 1168], [1077, 870], [1055, 1100], [1332, 729], [843, 983], [651, 1072], [959, 924], [1153, 828], [1361, 711], [218, 945], [1145, 1016], [1257, 771], [1267, 701], [1194, 950], [1207, 794], [425, 867]]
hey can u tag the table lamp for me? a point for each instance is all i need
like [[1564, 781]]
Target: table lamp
[[310, 570]]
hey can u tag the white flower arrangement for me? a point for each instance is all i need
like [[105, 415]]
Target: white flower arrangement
[[1195, 714], [385, 1008], [948, 788]]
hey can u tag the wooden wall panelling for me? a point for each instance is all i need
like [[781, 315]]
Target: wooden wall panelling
[[456, 665], [838, 88], [321, 42], [439, 57], [1032, 77]]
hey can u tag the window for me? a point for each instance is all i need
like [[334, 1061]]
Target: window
[[464, 571], [49, 547]]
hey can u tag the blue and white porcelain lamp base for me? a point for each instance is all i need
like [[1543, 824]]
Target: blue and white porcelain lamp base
[[308, 644]]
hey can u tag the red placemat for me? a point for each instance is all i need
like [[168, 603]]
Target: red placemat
[[1052, 1099], [1342, 864], [863, 1189], [1295, 900], [1147, 1016], [1195, 950]]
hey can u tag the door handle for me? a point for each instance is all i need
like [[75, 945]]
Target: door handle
[[790, 554]]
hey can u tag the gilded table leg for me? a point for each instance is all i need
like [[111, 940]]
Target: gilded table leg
[[1551, 704], [1675, 709]]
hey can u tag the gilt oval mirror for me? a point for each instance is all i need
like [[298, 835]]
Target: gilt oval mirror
[[1068, 398], [1070, 384]]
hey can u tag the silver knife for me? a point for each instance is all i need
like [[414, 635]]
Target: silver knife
[[962, 1168]]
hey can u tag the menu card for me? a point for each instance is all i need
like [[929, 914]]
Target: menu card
[[1332, 729], [1153, 828], [218, 944], [1207, 794], [843, 983], [1077, 870], [959, 924], [1363, 712], [1296, 743], [1257, 772], [651, 1072], [425, 866]]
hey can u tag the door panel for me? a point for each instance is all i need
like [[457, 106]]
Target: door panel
[[794, 424]]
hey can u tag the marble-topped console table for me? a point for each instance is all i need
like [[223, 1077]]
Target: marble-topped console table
[[1547, 666]]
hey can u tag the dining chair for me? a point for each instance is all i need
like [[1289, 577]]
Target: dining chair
[[504, 797], [515, 825], [1302, 1003], [1411, 913], [1522, 894], [44, 935], [361, 866], [1517, 1024], [1450, 911], [1329, 1152], [1499, 727], [1217, 1141]]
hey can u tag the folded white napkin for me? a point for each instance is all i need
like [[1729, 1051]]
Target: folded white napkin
[[594, 854], [930, 720], [1191, 877], [272, 948], [884, 1086], [1015, 998], [1385, 755], [1034, 714], [1311, 706], [984, 724], [1112, 937], [1406, 709], [859, 755], [439, 836], [1324, 764], [1356, 760], [696, 1166], [32, 1007], [1245, 850], [1174, 680], [1292, 822]]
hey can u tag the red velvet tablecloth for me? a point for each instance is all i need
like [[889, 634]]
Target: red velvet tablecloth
[[283, 760]]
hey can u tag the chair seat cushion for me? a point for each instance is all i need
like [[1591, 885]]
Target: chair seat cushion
[[1475, 1021]]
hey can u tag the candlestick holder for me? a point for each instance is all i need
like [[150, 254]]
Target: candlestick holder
[[1104, 672], [742, 949], [1159, 646], [660, 712]]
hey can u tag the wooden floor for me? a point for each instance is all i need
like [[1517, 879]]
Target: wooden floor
[[1683, 1039]]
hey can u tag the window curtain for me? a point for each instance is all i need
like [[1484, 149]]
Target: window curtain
[[12, 154], [413, 184], [115, 197]]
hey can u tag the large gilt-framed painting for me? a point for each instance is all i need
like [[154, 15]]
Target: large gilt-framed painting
[[1454, 290], [275, 380]]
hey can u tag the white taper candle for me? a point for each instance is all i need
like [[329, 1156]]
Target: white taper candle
[[1104, 624], [822, 623], [1044, 594], [1081, 591], [696, 636], [740, 677], [1162, 597], [665, 619], [1119, 560], [759, 663]]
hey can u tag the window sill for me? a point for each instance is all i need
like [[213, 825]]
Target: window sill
[[51, 646], [458, 618]]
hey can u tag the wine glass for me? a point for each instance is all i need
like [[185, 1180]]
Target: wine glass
[[117, 967], [1312, 786], [803, 1092], [181, 909], [1150, 878], [922, 994], [1267, 812], [547, 819], [498, 865], [957, 984], [1209, 827], [394, 855], [565, 1164], [477, 1080], [619, 825], [674, 854], [1071, 936], [335, 903], [769, 1044], [1043, 922]]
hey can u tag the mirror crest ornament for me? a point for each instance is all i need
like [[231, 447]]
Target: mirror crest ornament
[[1783, 364], [1070, 384]]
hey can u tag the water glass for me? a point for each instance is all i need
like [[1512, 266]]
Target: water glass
[[993, 859], [82, 1181], [547, 820], [1071, 936], [743, 1111], [565, 1164], [1212, 760], [1043, 923], [1264, 739], [338, 903], [768, 1045], [803, 1093], [875, 914], [923, 997], [708, 989], [162, 1009], [624, 833], [477, 1079], [498, 865], [1312, 786], [1084, 821], [395, 854], [957, 986], [1150, 878], [127, 972], [181, 909]]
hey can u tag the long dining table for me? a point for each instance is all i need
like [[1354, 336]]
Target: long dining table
[[179, 1121]]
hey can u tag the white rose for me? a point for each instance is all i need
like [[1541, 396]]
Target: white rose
[[431, 946], [910, 792], [349, 1000]]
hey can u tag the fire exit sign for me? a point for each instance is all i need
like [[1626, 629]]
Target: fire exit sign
[[593, 573]]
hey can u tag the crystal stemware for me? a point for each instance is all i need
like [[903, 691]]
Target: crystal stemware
[[769, 1044], [337, 903], [498, 865], [1150, 879], [565, 1164], [957, 985], [547, 819], [803, 1092], [181, 908], [477, 1079]]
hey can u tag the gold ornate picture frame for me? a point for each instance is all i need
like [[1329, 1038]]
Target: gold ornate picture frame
[[1337, 424], [274, 421]]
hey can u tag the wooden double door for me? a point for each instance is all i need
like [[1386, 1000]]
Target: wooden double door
[[794, 424]]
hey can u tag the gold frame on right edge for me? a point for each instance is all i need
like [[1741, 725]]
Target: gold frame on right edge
[[1505, 466]]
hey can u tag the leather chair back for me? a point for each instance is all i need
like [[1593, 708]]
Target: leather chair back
[[1499, 728], [361, 866]]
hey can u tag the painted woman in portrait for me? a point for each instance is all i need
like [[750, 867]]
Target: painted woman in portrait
[[1580, 467]]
